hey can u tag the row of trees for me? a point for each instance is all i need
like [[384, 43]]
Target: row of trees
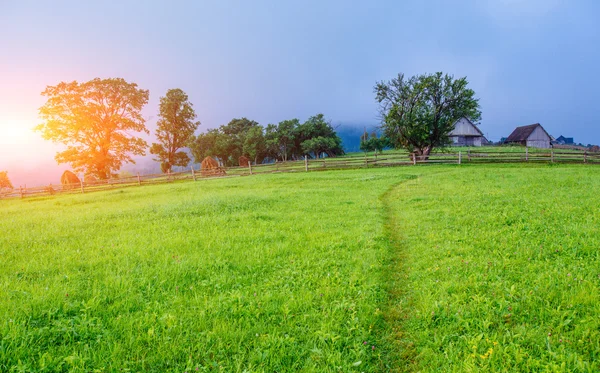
[[99, 122], [288, 140]]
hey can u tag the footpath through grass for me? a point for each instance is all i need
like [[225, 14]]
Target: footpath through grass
[[499, 269], [271, 273], [465, 268]]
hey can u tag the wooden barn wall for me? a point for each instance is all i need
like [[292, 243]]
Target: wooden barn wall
[[538, 139], [464, 128]]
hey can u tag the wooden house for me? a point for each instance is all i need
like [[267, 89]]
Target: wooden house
[[465, 133], [533, 135], [561, 140]]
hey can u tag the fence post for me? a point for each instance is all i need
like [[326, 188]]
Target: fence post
[[193, 173], [459, 156], [21, 191], [414, 157], [139, 179], [552, 155], [305, 163], [81, 184], [250, 167], [169, 175], [585, 156], [526, 153], [469, 155]]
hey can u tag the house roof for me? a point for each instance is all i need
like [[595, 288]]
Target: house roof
[[562, 138], [470, 122], [523, 132]]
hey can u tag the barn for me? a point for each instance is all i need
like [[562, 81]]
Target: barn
[[465, 133], [533, 135]]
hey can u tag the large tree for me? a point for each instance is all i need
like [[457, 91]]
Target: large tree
[[418, 113], [97, 121], [175, 127]]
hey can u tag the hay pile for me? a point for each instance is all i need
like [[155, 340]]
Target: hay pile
[[210, 167], [244, 161], [69, 180]]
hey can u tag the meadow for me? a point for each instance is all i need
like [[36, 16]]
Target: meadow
[[426, 268]]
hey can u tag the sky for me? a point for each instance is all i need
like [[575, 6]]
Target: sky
[[528, 61]]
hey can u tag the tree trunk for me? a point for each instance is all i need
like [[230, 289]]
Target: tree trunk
[[423, 153]]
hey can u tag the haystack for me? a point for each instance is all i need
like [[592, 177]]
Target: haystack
[[244, 161], [69, 180], [90, 179], [210, 167]]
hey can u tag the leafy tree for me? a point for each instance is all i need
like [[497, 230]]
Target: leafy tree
[[319, 145], [4, 181], [203, 145], [377, 144], [271, 141], [175, 127], [365, 144], [95, 120], [231, 144], [418, 113], [286, 133], [316, 126], [254, 143]]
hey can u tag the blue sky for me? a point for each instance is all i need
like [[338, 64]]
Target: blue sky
[[528, 61]]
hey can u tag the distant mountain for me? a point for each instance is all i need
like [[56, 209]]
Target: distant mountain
[[351, 133]]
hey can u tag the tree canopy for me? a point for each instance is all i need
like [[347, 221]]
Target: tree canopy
[[96, 120], [418, 113], [5, 181], [287, 140], [175, 127]]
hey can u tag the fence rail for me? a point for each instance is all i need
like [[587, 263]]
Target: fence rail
[[389, 159]]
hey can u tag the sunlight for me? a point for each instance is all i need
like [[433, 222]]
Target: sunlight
[[15, 132]]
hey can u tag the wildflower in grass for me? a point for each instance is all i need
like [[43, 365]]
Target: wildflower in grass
[[373, 348], [365, 342]]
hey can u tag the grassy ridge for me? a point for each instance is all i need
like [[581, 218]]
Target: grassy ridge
[[270, 273], [501, 269]]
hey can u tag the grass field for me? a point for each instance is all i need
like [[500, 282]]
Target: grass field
[[433, 268]]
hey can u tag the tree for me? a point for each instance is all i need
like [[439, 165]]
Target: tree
[[231, 144], [365, 144], [203, 145], [319, 145], [419, 113], [175, 127], [254, 143], [315, 127], [377, 144], [4, 181], [285, 136], [95, 120]]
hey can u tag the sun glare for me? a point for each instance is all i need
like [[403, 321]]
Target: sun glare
[[14, 132]]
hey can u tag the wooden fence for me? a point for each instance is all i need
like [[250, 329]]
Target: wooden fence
[[388, 159]]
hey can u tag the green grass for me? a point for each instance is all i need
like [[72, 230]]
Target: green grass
[[269, 273], [500, 269], [428, 268]]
